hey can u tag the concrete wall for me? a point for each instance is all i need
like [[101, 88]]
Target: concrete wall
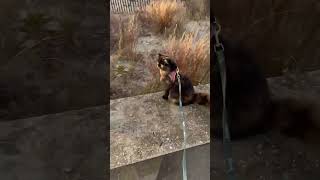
[[72, 145], [146, 138], [53, 56], [276, 31], [168, 167]]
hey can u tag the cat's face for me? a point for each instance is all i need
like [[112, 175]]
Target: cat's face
[[165, 66], [165, 63]]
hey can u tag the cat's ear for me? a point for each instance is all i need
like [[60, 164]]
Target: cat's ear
[[163, 56], [172, 64]]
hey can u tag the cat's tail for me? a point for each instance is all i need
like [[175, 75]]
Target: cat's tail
[[201, 98]]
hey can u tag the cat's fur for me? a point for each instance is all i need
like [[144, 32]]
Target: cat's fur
[[251, 110], [167, 68]]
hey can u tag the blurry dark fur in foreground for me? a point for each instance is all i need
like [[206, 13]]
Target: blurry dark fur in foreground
[[251, 110]]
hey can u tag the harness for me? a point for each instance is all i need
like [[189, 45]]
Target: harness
[[173, 74]]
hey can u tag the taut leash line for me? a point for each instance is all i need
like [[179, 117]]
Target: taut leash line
[[184, 163], [219, 51]]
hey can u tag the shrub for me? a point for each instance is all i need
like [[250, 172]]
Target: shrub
[[161, 15], [124, 34], [198, 9], [129, 33], [114, 32], [192, 55]]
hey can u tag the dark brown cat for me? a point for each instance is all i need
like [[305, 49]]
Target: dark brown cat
[[168, 75], [251, 109]]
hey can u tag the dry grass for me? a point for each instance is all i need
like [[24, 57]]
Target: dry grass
[[129, 33], [192, 55], [198, 9], [124, 35], [161, 15], [166, 17], [154, 86], [114, 32]]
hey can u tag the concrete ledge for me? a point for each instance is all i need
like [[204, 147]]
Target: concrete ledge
[[168, 166], [71, 145], [66, 145], [146, 126]]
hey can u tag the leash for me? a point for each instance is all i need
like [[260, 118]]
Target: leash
[[184, 163], [219, 49]]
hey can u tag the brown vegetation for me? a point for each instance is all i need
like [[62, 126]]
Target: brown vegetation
[[167, 19], [161, 15]]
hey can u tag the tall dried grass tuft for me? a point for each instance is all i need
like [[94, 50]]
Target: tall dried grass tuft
[[192, 55], [128, 37], [114, 32], [161, 15], [198, 9]]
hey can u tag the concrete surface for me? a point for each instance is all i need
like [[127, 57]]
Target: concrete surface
[[146, 141], [168, 167], [144, 127], [65, 146]]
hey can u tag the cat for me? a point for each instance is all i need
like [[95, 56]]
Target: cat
[[168, 74], [250, 106]]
